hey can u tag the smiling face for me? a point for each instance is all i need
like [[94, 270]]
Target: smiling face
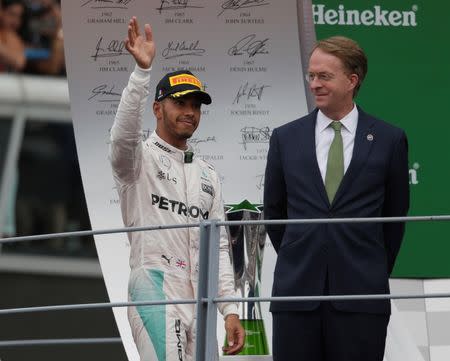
[[331, 85], [177, 119]]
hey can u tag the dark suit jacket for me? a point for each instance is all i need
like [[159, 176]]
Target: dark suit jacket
[[358, 257]]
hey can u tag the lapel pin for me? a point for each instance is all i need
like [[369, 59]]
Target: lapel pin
[[369, 137]]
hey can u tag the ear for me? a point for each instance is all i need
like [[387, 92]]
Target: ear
[[354, 79], [157, 110]]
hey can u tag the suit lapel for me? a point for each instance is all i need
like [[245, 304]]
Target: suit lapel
[[361, 149], [308, 136]]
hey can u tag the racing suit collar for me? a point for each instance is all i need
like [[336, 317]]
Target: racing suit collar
[[170, 150]]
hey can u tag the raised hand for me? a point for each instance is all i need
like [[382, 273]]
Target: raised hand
[[141, 47]]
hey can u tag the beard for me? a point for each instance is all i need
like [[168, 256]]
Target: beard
[[184, 135]]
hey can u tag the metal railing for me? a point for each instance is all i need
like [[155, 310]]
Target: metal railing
[[207, 299]]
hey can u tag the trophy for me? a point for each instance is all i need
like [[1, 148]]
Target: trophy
[[247, 246]]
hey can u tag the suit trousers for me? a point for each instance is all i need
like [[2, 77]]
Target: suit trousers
[[327, 334]]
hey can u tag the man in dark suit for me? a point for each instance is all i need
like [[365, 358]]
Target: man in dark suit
[[336, 162]]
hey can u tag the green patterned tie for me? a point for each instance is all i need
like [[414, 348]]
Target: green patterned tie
[[335, 163]]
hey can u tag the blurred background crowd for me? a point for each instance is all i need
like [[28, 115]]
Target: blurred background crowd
[[31, 37], [47, 194]]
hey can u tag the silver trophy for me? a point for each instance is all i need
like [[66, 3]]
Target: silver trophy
[[247, 245]]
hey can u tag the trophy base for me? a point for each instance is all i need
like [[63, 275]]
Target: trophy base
[[255, 338]]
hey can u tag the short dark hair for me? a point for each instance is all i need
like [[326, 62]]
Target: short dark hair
[[349, 52]]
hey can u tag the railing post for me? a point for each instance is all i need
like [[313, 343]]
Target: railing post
[[8, 175], [206, 347], [202, 286], [213, 286]]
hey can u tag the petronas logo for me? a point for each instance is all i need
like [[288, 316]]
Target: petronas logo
[[373, 16]]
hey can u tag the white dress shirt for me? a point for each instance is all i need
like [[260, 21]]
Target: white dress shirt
[[325, 136]]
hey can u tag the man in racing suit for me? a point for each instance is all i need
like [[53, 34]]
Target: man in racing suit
[[160, 182]]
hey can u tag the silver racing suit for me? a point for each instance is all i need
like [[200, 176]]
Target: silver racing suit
[[156, 187]]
